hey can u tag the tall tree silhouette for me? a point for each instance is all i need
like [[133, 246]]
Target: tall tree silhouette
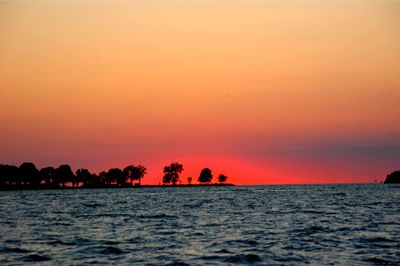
[[47, 174], [171, 173], [103, 177], [9, 174], [116, 175], [29, 174], [167, 178], [83, 176], [13, 174], [205, 175], [64, 175], [222, 178], [135, 172]]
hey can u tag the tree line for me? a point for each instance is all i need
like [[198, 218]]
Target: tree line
[[172, 172], [28, 176]]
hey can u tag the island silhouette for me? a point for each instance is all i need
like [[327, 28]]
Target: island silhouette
[[27, 176]]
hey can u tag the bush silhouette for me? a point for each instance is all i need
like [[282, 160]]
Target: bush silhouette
[[222, 178], [205, 176], [393, 178]]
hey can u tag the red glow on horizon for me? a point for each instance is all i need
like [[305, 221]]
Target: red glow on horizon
[[244, 172]]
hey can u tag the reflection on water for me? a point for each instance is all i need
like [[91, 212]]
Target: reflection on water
[[318, 224]]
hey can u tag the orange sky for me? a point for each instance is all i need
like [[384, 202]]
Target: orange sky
[[266, 92]]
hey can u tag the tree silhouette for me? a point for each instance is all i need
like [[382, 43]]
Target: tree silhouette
[[171, 173], [3, 176], [47, 175], [64, 175], [222, 178], [83, 176], [29, 174], [133, 172], [13, 174], [167, 178], [205, 175], [103, 177], [393, 178], [116, 175], [9, 175], [189, 179]]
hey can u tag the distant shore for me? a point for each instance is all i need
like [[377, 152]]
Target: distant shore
[[28, 177], [44, 187], [191, 185]]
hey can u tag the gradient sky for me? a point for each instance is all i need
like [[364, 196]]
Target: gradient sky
[[265, 92]]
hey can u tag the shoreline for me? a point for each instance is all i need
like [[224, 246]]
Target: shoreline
[[176, 186], [13, 188]]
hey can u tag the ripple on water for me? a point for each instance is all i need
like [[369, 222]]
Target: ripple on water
[[177, 263], [379, 242], [158, 216], [58, 242], [311, 230], [92, 204], [242, 242], [112, 250], [102, 249], [223, 251], [13, 250], [35, 258], [243, 258]]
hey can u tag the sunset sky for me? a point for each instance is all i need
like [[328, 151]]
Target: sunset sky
[[265, 92]]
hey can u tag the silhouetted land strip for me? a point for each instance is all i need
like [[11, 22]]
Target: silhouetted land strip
[[192, 185], [45, 187], [27, 176]]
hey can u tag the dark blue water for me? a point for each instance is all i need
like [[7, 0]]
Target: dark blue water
[[291, 225]]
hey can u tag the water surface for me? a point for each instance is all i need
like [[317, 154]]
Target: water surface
[[291, 225]]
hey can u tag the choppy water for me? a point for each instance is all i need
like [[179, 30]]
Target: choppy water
[[317, 224]]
